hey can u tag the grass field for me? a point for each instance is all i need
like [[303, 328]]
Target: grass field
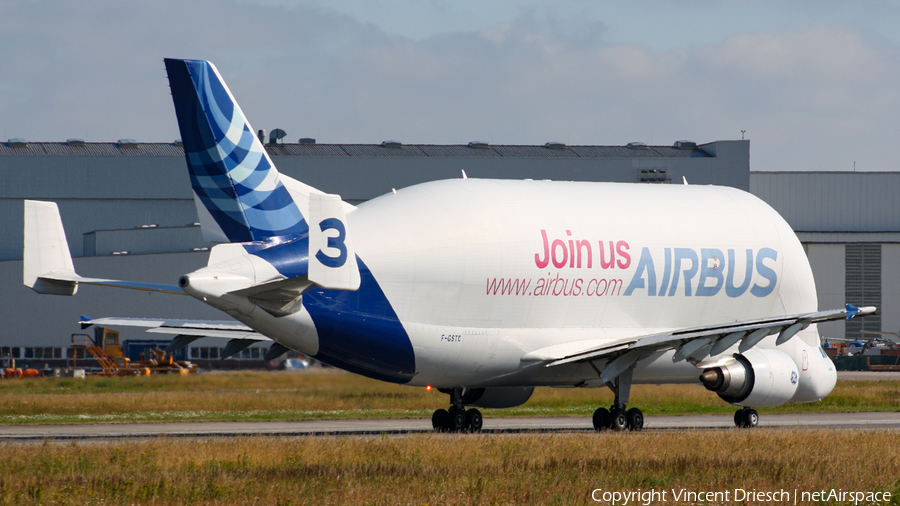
[[434, 469], [417, 469], [332, 394]]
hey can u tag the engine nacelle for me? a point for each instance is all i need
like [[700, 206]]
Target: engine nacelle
[[498, 397], [758, 378]]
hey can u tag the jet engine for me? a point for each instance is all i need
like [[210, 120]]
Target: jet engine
[[498, 397], [759, 378]]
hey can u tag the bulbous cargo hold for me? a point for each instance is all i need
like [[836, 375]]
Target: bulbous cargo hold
[[582, 255]]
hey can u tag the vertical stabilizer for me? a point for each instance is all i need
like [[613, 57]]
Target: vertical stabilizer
[[239, 195]]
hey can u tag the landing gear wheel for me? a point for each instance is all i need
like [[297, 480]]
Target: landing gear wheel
[[751, 418], [601, 419], [635, 419], [440, 420], [456, 420], [619, 419], [746, 418], [474, 420]]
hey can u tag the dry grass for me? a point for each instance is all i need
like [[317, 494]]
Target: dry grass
[[333, 394], [444, 469]]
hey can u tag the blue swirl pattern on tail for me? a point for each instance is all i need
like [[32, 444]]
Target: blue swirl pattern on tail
[[231, 173]]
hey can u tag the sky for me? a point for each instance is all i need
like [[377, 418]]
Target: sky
[[814, 85]]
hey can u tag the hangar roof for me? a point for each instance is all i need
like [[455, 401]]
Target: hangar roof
[[363, 150]]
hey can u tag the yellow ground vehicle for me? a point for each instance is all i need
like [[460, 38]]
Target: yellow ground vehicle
[[106, 348]]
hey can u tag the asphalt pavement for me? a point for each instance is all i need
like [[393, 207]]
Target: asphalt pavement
[[880, 420]]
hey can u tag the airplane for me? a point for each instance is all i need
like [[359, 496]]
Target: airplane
[[483, 289], [890, 337]]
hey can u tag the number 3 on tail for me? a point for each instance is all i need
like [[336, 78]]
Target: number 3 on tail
[[333, 242]]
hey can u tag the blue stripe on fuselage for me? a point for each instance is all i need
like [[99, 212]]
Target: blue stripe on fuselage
[[360, 332]]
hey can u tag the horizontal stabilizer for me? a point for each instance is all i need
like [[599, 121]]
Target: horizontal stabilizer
[[47, 266], [278, 298]]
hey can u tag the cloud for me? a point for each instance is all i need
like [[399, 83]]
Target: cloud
[[817, 98]]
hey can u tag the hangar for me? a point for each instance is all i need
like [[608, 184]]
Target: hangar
[[129, 213]]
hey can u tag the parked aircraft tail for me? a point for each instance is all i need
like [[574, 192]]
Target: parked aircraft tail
[[239, 194]]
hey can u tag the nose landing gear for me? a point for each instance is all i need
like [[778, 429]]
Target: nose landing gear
[[457, 418], [746, 418]]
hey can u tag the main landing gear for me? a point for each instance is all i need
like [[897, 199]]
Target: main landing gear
[[746, 418], [457, 418], [617, 417]]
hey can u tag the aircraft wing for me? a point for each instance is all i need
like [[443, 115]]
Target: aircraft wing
[[187, 331], [692, 344]]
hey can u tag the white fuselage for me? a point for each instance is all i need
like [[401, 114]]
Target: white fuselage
[[482, 272]]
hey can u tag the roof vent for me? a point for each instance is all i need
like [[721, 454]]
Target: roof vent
[[307, 140], [555, 145], [479, 145], [392, 144], [18, 142], [689, 145], [637, 145], [276, 135], [177, 143], [128, 143], [75, 142]]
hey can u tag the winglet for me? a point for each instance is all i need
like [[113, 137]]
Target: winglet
[[853, 311], [46, 262], [47, 266], [85, 321]]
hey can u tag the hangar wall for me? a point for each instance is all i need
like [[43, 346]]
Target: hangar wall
[[849, 223], [108, 191], [136, 199]]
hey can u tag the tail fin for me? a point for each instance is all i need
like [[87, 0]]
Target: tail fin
[[232, 176]]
